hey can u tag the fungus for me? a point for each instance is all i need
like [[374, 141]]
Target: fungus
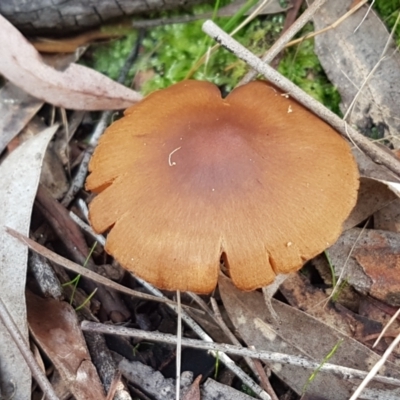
[[186, 178]]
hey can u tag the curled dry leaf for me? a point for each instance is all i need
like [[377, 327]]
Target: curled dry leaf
[[19, 177], [55, 327], [77, 87]]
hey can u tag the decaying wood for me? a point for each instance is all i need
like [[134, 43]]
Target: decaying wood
[[62, 17]]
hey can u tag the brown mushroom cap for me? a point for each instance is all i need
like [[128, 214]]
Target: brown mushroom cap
[[187, 177]]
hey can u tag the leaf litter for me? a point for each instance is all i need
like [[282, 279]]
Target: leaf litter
[[17, 194], [339, 331], [76, 87]]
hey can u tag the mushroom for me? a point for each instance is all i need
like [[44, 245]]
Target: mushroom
[[187, 178]]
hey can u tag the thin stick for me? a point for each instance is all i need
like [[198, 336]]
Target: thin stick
[[279, 45], [178, 345], [205, 57], [374, 152], [229, 363], [234, 340], [37, 248], [342, 272], [375, 368], [394, 317], [343, 372], [23, 347], [87, 228]]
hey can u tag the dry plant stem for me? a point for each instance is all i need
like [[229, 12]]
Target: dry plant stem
[[231, 336], [205, 57], [84, 209], [218, 318], [178, 345], [85, 227], [366, 14], [375, 368], [206, 338], [344, 372], [279, 45], [23, 347], [264, 378], [342, 272], [254, 365], [394, 317], [114, 386], [79, 179], [375, 153], [201, 303], [37, 248], [332, 26]]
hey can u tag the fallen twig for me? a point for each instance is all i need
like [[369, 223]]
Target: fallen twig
[[279, 45], [344, 372], [374, 152], [23, 347]]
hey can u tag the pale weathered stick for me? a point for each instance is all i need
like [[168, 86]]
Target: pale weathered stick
[[36, 247], [23, 347], [279, 45], [375, 153], [344, 372], [375, 369]]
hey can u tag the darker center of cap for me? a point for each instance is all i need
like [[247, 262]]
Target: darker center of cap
[[212, 156]]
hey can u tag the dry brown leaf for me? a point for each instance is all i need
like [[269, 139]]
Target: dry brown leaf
[[374, 263], [55, 327], [70, 44], [77, 87], [193, 392], [298, 333]]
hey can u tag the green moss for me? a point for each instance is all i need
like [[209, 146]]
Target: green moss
[[178, 47], [170, 52], [109, 58], [389, 11]]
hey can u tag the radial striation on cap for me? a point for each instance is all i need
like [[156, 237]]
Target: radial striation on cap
[[187, 177]]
